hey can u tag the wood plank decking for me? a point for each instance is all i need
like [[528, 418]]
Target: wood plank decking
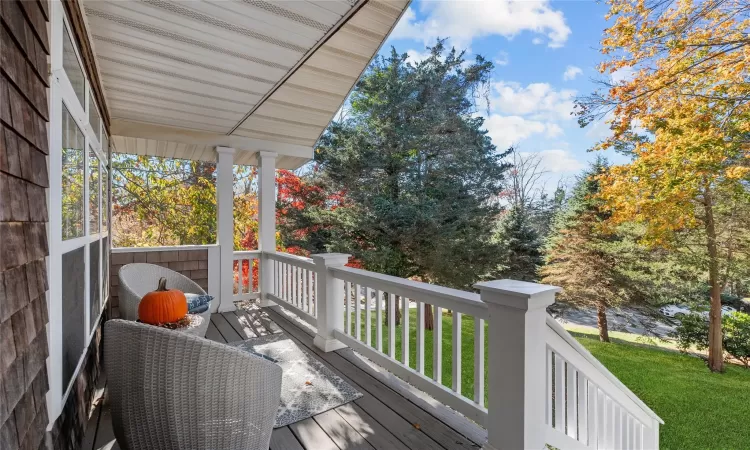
[[389, 418]]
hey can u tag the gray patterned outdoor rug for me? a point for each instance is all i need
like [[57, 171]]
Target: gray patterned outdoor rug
[[307, 387]]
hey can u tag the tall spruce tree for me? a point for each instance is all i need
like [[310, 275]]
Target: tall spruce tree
[[520, 247], [419, 172], [591, 262]]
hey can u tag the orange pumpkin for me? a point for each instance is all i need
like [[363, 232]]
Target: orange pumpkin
[[162, 305]]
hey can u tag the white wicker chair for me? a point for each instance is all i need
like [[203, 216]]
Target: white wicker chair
[[138, 279], [174, 391]]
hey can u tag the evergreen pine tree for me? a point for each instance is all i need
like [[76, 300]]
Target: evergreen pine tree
[[520, 247], [583, 256]]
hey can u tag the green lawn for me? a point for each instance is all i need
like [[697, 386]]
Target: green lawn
[[701, 410]]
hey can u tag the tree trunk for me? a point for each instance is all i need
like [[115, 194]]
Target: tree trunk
[[715, 344], [429, 320], [601, 321]]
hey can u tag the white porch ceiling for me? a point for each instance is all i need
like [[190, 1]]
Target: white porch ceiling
[[269, 70]]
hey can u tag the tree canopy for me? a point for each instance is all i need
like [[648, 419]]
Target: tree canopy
[[419, 173], [683, 117]]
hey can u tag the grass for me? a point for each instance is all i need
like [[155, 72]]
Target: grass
[[701, 410], [621, 337]]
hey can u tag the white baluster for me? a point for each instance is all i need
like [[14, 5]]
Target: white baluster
[[559, 393], [303, 292], [379, 320], [357, 313], [391, 325], [420, 337], [583, 417], [437, 346], [457, 352], [479, 361], [348, 300], [572, 401], [405, 330], [368, 319]]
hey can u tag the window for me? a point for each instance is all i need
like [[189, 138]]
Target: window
[[72, 177], [95, 301], [72, 67], [105, 268], [105, 196], [105, 146], [95, 119], [73, 303], [94, 192], [78, 196]]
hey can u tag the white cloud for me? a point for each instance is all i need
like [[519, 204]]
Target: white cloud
[[571, 72], [558, 161], [538, 100], [415, 56], [600, 130], [537, 41], [464, 21], [510, 130], [502, 59], [622, 74]]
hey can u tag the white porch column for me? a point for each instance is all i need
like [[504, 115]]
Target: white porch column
[[225, 226], [329, 300], [266, 221], [517, 362]]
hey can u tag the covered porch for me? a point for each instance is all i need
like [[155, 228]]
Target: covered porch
[[388, 416], [256, 83]]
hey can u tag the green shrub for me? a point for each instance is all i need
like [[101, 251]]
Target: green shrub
[[737, 336], [693, 332]]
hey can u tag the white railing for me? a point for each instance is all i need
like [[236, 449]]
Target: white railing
[[363, 331], [293, 284], [246, 275], [589, 405], [543, 386]]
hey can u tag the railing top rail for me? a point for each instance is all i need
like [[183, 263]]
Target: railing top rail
[[448, 298], [166, 248], [292, 259], [570, 340], [246, 253]]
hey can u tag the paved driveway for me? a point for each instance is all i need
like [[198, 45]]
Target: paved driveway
[[631, 320]]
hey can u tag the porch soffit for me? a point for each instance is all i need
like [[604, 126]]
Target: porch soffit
[[274, 71]]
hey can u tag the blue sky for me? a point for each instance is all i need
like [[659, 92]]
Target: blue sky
[[545, 53]]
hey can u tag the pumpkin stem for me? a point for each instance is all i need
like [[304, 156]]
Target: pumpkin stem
[[162, 284]]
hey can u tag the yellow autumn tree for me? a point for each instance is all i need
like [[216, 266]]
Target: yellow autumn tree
[[680, 108]]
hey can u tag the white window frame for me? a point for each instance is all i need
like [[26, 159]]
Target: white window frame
[[62, 92]]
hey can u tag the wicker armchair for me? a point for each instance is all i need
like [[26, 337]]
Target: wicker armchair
[[136, 280], [174, 391]]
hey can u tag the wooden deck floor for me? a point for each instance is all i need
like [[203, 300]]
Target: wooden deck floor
[[389, 416]]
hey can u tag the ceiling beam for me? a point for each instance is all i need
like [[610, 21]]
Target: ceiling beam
[[141, 130]]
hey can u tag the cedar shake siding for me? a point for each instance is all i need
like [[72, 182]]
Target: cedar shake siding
[[24, 47]]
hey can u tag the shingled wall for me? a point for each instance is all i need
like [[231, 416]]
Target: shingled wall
[[193, 263], [23, 217]]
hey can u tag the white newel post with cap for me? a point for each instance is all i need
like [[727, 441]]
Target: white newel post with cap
[[225, 225], [517, 362], [329, 300], [266, 221]]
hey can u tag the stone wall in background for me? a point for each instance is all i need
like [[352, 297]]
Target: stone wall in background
[[24, 47], [192, 263]]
